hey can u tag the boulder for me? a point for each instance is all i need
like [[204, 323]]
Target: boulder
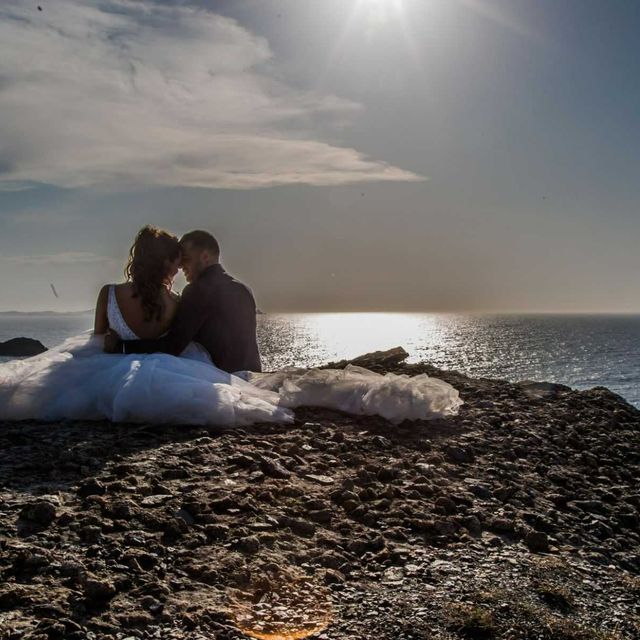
[[542, 390], [17, 347], [390, 358]]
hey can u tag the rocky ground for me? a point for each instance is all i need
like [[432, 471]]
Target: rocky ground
[[519, 518]]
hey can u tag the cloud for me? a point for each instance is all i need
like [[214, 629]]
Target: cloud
[[119, 93], [46, 217], [56, 259]]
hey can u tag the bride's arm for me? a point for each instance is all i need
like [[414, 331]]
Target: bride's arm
[[101, 324]]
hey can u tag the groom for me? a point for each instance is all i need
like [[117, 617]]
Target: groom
[[215, 310]]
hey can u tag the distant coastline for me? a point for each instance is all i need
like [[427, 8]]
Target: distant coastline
[[46, 313]]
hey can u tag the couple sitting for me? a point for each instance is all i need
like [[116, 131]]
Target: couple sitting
[[216, 311], [192, 360]]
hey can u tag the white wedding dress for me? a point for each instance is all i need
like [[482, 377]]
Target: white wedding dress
[[77, 381]]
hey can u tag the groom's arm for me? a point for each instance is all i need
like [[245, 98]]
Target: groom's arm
[[191, 314]]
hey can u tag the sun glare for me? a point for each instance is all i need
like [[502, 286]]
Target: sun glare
[[380, 10]]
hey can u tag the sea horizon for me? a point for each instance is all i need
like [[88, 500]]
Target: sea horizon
[[581, 350], [508, 312]]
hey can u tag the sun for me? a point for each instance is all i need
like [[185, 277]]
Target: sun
[[380, 9], [375, 15]]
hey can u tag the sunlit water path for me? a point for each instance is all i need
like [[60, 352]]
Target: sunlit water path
[[579, 350]]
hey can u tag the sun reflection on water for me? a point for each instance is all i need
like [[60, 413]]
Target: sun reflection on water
[[312, 339]]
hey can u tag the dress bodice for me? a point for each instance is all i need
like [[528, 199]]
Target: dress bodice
[[116, 321]]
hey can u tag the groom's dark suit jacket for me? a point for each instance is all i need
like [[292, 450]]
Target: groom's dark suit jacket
[[217, 311]]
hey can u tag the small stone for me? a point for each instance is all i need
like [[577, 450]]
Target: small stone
[[42, 513], [425, 469], [151, 604], [241, 460], [591, 506], [347, 495], [473, 525], [381, 442], [367, 494], [91, 487], [260, 526], [449, 506], [71, 569], [537, 541], [505, 493], [332, 576], [320, 479], [480, 491], [96, 589], [90, 534], [249, 545], [122, 510], [322, 516], [174, 528], [459, 454], [385, 474], [501, 525], [302, 528], [273, 468], [217, 531], [137, 619], [444, 527], [185, 516], [350, 505], [155, 500]]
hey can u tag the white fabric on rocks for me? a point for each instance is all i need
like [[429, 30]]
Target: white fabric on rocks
[[77, 381], [363, 392]]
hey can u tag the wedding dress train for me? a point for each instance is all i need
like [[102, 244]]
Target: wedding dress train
[[77, 381]]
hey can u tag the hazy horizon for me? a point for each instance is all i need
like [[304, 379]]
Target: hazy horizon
[[464, 156], [408, 312]]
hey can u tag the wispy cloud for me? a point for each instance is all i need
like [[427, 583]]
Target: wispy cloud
[[117, 93], [57, 259], [42, 218]]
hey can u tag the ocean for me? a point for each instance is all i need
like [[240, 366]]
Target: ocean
[[581, 351]]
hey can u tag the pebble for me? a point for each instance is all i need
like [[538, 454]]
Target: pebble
[[273, 468], [97, 589], [320, 479], [250, 544], [537, 541], [42, 513], [91, 487]]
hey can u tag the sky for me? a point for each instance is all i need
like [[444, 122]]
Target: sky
[[349, 155]]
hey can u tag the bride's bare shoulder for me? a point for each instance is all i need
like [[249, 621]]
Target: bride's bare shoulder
[[172, 298], [123, 287]]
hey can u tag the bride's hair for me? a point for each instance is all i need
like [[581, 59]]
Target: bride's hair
[[147, 267]]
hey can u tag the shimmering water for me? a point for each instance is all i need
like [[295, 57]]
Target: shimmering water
[[579, 350]]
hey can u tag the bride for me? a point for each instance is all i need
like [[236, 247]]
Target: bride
[[78, 381]]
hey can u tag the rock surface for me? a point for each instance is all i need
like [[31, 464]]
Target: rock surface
[[519, 518], [18, 347]]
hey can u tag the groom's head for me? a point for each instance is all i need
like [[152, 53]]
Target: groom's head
[[199, 251]]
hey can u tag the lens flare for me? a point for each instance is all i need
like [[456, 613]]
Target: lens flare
[[287, 609]]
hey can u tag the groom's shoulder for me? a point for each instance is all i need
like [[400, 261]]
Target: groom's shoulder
[[221, 282], [232, 284]]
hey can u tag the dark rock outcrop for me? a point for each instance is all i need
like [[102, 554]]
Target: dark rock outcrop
[[375, 360], [18, 347]]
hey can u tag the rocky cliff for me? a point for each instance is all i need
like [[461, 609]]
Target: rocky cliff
[[519, 518]]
